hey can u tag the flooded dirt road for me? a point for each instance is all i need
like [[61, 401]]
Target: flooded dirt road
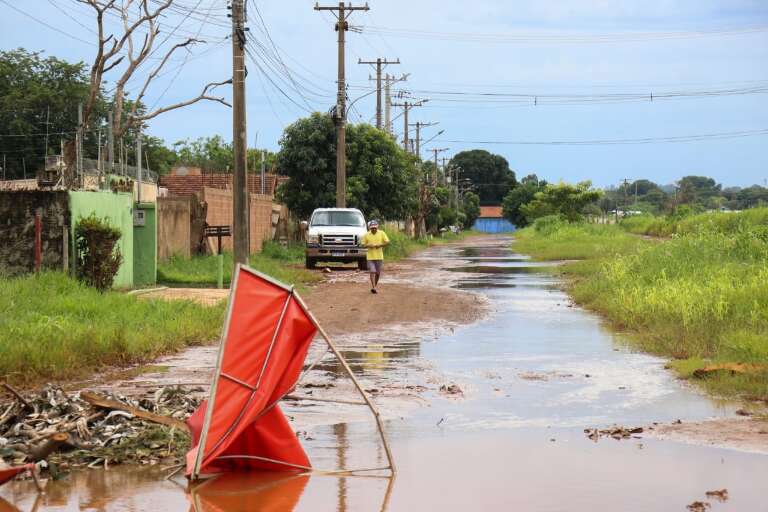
[[489, 416]]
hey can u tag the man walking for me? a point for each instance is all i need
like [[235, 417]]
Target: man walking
[[375, 240]]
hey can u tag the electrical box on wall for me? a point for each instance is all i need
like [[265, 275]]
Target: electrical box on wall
[[139, 218]]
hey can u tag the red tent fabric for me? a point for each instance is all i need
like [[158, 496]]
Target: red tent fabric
[[266, 340], [7, 474]]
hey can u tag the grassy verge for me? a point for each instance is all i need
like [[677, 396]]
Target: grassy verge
[[283, 264], [52, 327], [700, 297]]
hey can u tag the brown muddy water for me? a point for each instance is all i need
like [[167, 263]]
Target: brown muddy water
[[533, 375]]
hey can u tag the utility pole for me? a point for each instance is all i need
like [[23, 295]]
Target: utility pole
[[436, 151], [342, 12], [240, 235], [379, 63], [388, 81], [407, 106], [110, 143], [138, 163], [79, 143], [419, 126], [263, 177]]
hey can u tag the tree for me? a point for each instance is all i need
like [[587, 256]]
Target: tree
[[562, 199], [697, 189], [471, 208], [381, 178], [490, 174], [521, 195], [138, 19], [39, 95]]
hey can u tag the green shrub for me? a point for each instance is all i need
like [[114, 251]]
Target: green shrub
[[98, 257]]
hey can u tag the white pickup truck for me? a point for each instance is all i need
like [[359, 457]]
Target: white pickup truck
[[334, 235]]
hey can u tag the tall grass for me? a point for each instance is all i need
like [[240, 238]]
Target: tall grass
[[720, 222], [282, 263], [701, 296], [53, 327]]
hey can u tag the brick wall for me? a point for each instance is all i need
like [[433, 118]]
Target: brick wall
[[17, 229], [220, 214]]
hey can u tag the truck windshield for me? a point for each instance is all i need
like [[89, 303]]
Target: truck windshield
[[338, 219]]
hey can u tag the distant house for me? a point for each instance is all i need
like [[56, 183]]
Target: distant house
[[492, 220]]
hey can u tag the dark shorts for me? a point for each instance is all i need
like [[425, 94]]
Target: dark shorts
[[375, 266]]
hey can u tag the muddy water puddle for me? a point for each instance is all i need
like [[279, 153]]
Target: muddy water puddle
[[526, 381]]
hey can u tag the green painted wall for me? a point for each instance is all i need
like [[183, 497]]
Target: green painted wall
[[145, 247], [117, 208]]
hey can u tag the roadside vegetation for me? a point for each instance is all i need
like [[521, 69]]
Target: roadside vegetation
[[54, 327], [699, 297]]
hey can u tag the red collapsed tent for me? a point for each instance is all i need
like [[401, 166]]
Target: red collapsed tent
[[265, 341]]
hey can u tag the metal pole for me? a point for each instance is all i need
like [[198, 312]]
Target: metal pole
[[138, 164], [240, 177], [110, 143], [263, 171], [79, 142]]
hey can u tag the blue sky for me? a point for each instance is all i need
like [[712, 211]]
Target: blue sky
[[547, 48]]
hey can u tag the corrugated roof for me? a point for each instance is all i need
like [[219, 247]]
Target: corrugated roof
[[493, 212]]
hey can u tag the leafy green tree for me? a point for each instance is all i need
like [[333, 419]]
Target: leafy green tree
[[521, 195], [39, 94], [697, 189], [562, 199], [490, 174], [380, 176], [471, 209]]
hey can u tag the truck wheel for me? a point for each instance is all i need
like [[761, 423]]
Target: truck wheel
[[310, 263], [362, 264]]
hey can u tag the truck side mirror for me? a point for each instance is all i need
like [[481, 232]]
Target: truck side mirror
[[304, 225]]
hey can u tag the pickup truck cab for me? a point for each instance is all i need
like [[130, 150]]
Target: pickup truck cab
[[334, 235]]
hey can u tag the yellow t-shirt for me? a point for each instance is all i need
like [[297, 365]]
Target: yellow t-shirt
[[380, 238]]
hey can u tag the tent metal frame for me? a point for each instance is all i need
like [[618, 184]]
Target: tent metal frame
[[291, 293]]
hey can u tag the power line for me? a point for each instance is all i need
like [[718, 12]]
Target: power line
[[559, 38], [644, 140]]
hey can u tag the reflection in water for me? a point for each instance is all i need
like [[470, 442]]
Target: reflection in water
[[248, 492], [340, 430]]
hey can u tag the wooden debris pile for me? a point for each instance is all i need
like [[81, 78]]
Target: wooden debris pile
[[87, 429]]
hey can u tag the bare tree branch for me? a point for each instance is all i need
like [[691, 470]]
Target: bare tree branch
[[114, 50], [203, 96]]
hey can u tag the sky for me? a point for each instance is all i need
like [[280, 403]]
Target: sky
[[509, 77]]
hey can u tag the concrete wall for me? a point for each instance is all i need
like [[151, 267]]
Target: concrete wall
[[117, 209], [173, 227], [145, 247], [17, 229]]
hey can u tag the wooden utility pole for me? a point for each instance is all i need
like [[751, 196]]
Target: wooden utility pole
[[240, 228], [419, 126], [407, 106], [388, 81], [436, 151], [138, 164], [342, 12], [379, 63]]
